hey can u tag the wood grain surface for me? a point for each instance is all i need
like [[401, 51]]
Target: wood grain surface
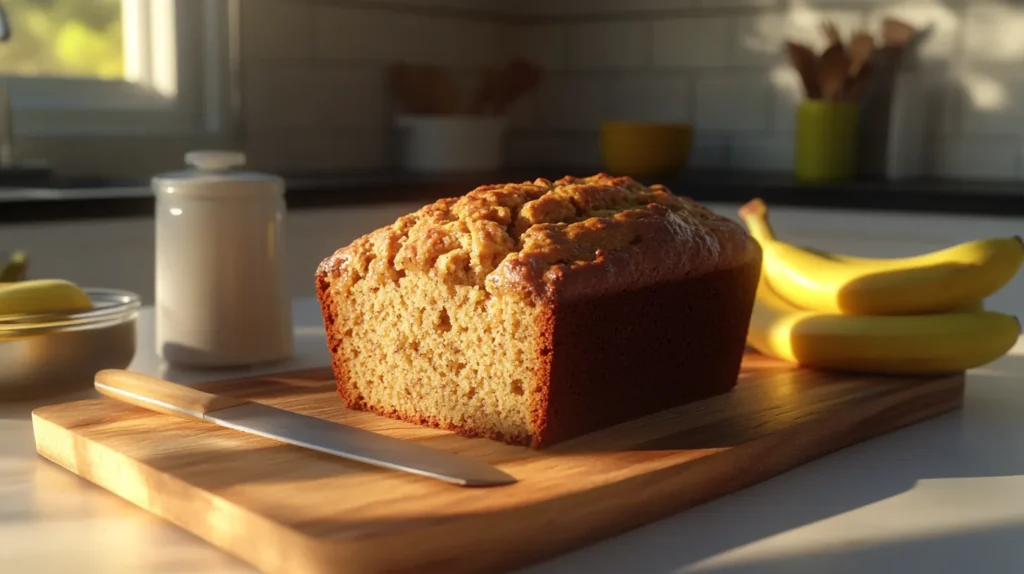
[[289, 510]]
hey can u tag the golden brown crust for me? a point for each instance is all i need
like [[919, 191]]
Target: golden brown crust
[[583, 235], [540, 401]]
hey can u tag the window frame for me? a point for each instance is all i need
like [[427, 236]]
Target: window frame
[[183, 87]]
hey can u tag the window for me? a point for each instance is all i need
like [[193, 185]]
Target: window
[[145, 77]]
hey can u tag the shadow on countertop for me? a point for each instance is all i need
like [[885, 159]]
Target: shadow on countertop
[[871, 483], [89, 198]]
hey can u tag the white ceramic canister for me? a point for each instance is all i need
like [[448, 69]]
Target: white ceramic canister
[[221, 294]]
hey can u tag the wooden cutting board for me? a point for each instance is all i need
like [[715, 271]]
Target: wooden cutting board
[[289, 510]]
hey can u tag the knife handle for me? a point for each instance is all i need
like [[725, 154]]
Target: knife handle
[[161, 396]]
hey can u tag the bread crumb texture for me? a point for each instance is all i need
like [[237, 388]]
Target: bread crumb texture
[[442, 318]]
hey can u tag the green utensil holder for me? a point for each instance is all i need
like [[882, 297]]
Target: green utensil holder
[[826, 141]]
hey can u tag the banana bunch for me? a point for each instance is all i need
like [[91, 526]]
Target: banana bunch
[[915, 315]]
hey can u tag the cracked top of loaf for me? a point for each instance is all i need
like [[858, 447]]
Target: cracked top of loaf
[[539, 237]]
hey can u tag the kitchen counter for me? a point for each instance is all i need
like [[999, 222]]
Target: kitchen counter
[[89, 199], [945, 495]]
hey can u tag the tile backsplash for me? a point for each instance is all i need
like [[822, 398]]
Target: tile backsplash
[[316, 98]]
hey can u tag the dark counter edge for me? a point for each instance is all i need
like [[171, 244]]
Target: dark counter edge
[[309, 192]]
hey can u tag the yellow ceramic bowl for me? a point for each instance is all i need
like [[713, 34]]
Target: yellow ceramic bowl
[[644, 148]]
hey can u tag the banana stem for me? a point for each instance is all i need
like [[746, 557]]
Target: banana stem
[[754, 214]]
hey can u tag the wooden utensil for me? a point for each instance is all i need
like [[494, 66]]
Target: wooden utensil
[[831, 33], [407, 87], [862, 46], [896, 32], [834, 64], [486, 92], [833, 70], [424, 88], [519, 77], [806, 64], [443, 93], [855, 85], [286, 509]]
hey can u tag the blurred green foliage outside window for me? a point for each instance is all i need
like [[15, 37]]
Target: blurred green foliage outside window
[[63, 38]]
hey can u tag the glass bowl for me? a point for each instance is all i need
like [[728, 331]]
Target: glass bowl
[[56, 353]]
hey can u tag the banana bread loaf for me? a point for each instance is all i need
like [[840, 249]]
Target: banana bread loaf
[[534, 312]]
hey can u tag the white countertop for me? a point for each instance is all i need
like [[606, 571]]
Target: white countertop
[[945, 495]]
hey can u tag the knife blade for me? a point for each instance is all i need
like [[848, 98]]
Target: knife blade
[[293, 428]]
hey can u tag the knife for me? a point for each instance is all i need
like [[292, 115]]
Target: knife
[[308, 432]]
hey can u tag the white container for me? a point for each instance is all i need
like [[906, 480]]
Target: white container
[[451, 144], [221, 297]]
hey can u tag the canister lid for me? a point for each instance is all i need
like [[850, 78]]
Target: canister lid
[[215, 160], [214, 173]]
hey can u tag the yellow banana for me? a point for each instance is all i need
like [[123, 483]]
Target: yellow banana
[[972, 307], [906, 344], [42, 296], [935, 282]]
